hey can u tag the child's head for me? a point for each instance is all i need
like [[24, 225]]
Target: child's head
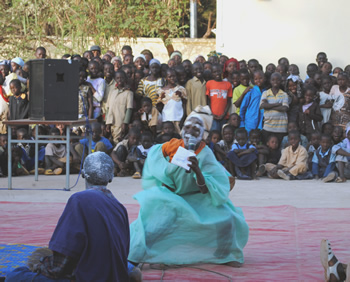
[[197, 70], [272, 142], [120, 79], [207, 75], [15, 87], [217, 72], [126, 50], [244, 77], [96, 131], [242, 64], [40, 53], [147, 139], [276, 80], [94, 69], [292, 86], [228, 134], [343, 79], [259, 78], [315, 139], [270, 68], [168, 127], [166, 137], [321, 58], [154, 67], [327, 83], [327, 128], [282, 69], [181, 75], [171, 63], [234, 78], [177, 57], [163, 69], [65, 56], [230, 66], [117, 63], [139, 74], [140, 62], [108, 70], [3, 140], [253, 65], [134, 137], [255, 136], [21, 133], [309, 93], [326, 68], [337, 70], [128, 60], [213, 59], [54, 131], [325, 142], [292, 126], [337, 134], [188, 68], [293, 69], [5, 70], [214, 136], [88, 55], [283, 61], [146, 105], [241, 136], [294, 138], [106, 58], [127, 69], [208, 66], [136, 124], [318, 79], [234, 120], [311, 69], [171, 77], [223, 59]]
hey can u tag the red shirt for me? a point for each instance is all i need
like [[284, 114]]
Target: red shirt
[[218, 92]]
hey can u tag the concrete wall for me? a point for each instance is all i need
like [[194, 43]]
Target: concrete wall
[[270, 29]]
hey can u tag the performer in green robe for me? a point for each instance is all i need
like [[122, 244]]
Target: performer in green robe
[[186, 218]]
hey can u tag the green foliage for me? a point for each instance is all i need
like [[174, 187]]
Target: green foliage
[[71, 25]]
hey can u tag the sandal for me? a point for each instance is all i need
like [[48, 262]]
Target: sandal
[[57, 171], [340, 180], [137, 175], [48, 172], [327, 258], [261, 170]]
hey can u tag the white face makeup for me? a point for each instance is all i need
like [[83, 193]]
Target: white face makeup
[[193, 127]]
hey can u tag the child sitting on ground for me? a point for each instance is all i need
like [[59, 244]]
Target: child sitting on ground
[[139, 153], [55, 155], [342, 151], [149, 115], [309, 113], [327, 128], [337, 135], [243, 156], [323, 161], [293, 162], [255, 140], [272, 155], [293, 126], [311, 148], [172, 96], [234, 120], [121, 152], [213, 138]]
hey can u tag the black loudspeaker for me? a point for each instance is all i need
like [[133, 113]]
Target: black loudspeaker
[[53, 89]]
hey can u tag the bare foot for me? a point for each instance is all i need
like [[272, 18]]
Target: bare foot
[[234, 264]]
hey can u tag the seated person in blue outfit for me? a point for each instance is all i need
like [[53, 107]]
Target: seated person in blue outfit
[[243, 156], [91, 239]]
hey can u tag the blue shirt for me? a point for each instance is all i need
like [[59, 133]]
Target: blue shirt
[[250, 112], [104, 140], [94, 230], [246, 146]]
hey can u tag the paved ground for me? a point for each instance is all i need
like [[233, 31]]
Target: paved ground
[[264, 192]]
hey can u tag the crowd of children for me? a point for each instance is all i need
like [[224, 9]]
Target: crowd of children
[[258, 122]]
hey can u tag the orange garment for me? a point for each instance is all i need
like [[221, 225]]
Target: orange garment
[[170, 148], [3, 95], [218, 93]]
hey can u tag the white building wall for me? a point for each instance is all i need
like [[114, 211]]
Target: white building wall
[[297, 29]]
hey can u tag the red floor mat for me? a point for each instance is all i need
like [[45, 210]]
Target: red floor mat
[[283, 243]]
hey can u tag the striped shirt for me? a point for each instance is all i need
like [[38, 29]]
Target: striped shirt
[[149, 88], [275, 121]]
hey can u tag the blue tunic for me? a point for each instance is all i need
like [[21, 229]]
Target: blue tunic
[[184, 226]]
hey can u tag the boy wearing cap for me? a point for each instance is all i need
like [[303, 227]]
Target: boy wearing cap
[[96, 50]]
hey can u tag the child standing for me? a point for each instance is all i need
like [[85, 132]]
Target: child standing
[[119, 108], [18, 102], [274, 102], [172, 96], [294, 91], [250, 113], [323, 161], [85, 96], [326, 100], [219, 94], [293, 162], [243, 156], [196, 88], [241, 90], [108, 71], [98, 86], [309, 113]]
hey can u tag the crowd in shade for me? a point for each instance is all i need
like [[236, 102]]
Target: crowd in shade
[[259, 121]]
